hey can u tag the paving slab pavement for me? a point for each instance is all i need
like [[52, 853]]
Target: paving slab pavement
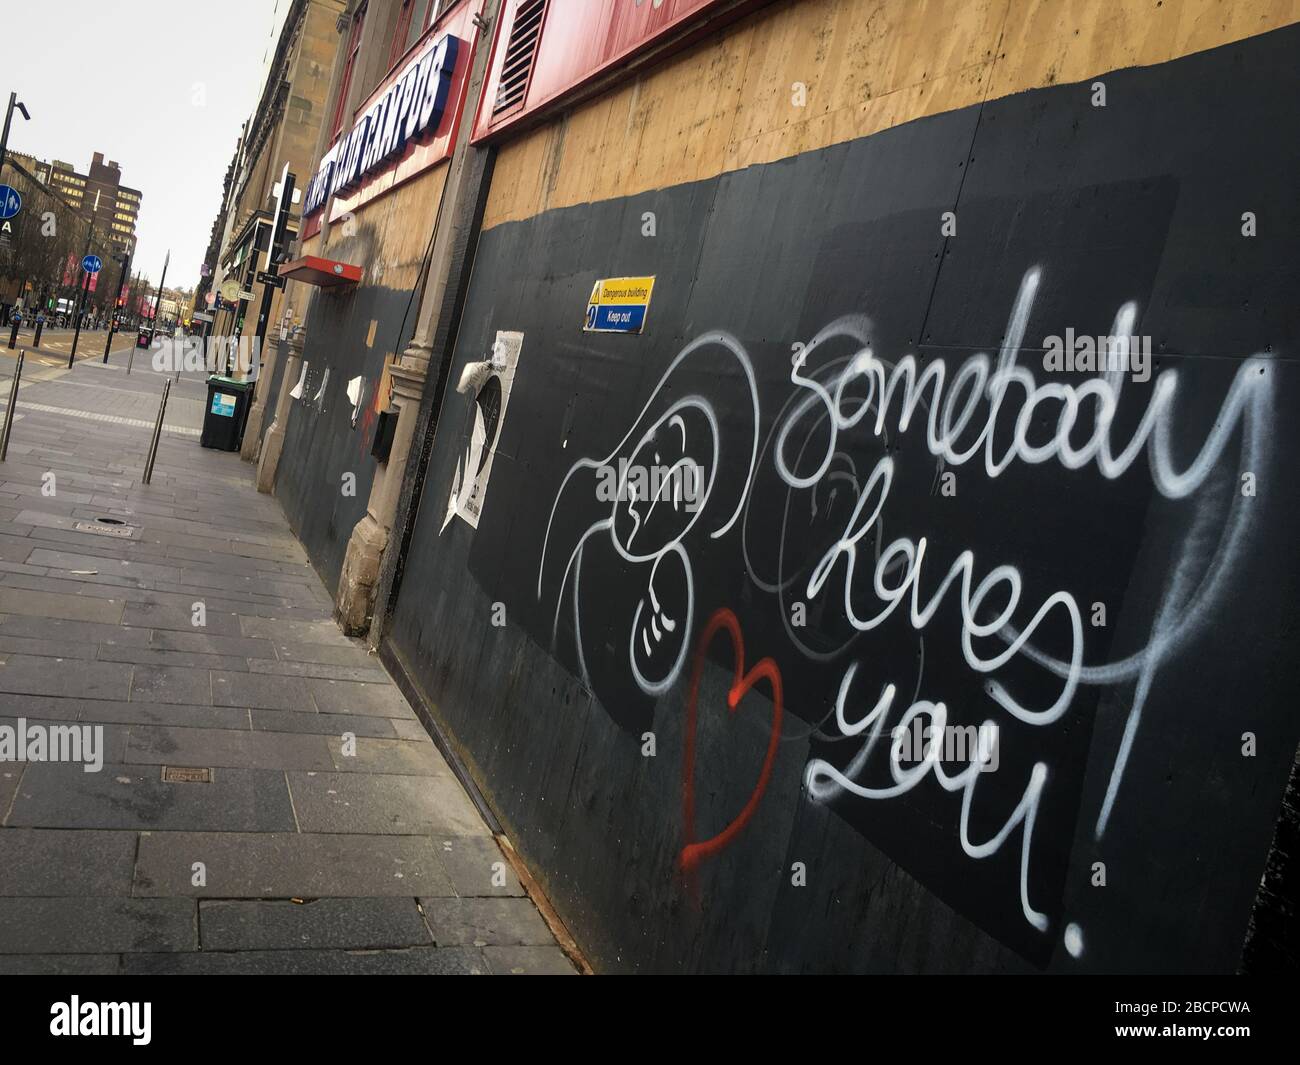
[[265, 800]]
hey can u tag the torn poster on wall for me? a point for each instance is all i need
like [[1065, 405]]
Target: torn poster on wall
[[297, 391], [489, 381], [356, 396]]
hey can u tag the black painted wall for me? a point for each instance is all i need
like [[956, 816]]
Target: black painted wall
[[321, 441], [1066, 211]]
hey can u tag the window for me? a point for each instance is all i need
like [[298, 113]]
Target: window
[[345, 85], [410, 24]]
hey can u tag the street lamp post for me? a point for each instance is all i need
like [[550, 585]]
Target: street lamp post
[[157, 303], [9, 116], [14, 105]]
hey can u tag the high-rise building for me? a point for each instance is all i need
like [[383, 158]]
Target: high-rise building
[[98, 195]]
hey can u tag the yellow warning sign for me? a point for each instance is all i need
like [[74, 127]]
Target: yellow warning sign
[[619, 304]]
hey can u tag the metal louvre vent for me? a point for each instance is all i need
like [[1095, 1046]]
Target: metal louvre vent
[[520, 52]]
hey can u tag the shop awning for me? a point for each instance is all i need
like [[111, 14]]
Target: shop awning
[[314, 270]]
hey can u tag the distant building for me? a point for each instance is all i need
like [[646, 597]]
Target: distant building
[[118, 206]]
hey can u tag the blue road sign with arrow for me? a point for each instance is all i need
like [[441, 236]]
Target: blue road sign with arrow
[[91, 264], [11, 202]]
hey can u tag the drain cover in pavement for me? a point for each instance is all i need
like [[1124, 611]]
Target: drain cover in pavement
[[185, 774], [104, 529]]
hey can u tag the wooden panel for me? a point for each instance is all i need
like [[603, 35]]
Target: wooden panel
[[390, 235], [729, 102]]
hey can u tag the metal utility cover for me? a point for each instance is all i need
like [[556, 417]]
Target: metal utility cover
[[121, 531], [185, 774]]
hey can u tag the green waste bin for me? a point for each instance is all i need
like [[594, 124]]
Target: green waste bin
[[226, 412]]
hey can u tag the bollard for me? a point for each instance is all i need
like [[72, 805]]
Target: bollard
[[13, 333], [157, 434], [36, 340], [13, 401]]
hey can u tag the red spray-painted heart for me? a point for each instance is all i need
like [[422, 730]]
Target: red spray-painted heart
[[694, 851]]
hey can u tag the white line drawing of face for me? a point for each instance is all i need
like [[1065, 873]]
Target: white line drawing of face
[[651, 528], [645, 525], [650, 533]]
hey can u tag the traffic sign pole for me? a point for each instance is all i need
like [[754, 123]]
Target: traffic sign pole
[[90, 264], [11, 202], [270, 278], [245, 295], [112, 318], [81, 299]]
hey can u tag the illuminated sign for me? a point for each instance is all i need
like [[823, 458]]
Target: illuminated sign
[[413, 105]]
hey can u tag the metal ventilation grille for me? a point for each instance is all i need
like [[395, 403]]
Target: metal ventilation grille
[[520, 52]]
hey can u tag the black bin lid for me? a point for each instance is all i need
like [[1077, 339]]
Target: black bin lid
[[219, 381]]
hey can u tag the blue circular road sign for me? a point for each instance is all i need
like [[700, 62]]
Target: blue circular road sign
[[11, 202], [91, 264]]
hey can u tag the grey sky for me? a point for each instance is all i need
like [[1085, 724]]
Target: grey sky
[[160, 86]]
